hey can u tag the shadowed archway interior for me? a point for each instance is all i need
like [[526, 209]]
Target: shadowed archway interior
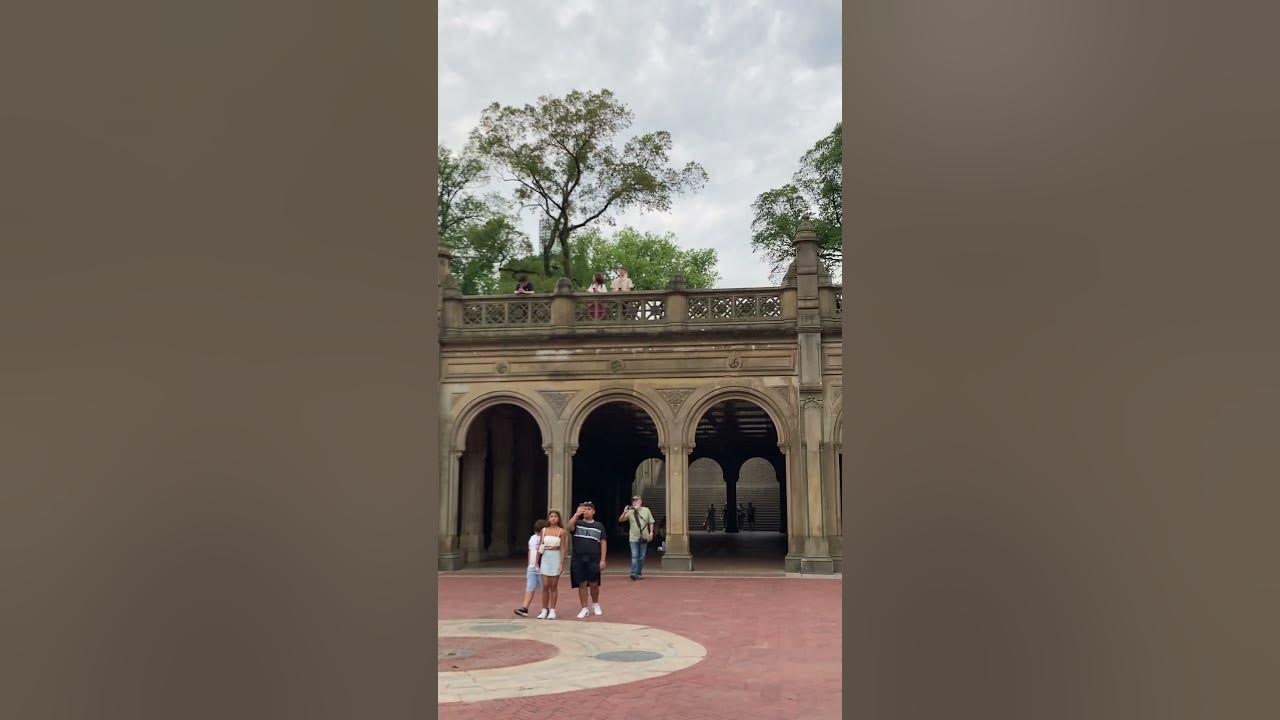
[[615, 440], [503, 487], [737, 488]]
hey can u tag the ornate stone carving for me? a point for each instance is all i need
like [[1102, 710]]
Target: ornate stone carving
[[558, 399], [616, 366], [501, 368], [675, 397], [735, 362], [811, 400]]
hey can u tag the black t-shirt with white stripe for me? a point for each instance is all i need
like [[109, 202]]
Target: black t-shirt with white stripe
[[587, 535]]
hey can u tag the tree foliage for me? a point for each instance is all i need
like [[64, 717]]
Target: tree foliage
[[650, 259], [814, 193], [481, 232], [563, 155]]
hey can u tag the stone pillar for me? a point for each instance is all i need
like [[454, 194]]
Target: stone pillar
[[678, 556], [562, 302], [731, 467], [780, 473], [526, 512], [808, 276], [793, 485], [473, 461], [560, 478], [449, 556], [677, 300], [817, 554], [450, 293], [502, 453], [831, 503]]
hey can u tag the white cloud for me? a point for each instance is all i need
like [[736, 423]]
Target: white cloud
[[744, 88]]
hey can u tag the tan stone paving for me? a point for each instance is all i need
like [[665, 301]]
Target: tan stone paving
[[576, 667]]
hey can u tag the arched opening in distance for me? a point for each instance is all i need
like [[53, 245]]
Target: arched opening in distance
[[736, 442], [502, 485]]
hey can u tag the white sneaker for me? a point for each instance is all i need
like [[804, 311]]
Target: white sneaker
[[542, 615], [583, 613], [551, 615], [596, 609]]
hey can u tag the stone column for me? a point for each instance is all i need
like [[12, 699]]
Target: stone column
[[502, 453], [831, 503], [808, 276], [560, 477], [780, 473], [816, 558], [793, 491], [678, 556], [526, 513], [473, 492], [449, 556], [731, 467]]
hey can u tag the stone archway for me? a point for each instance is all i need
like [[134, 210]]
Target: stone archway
[[493, 479], [734, 426]]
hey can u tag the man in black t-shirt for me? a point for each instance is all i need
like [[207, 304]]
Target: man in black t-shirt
[[590, 547]]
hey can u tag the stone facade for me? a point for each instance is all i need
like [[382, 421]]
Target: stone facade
[[674, 354]]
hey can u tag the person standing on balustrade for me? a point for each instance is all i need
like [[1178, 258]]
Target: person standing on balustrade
[[597, 286], [622, 283]]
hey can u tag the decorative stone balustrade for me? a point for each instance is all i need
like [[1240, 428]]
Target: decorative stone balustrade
[[505, 312], [672, 309]]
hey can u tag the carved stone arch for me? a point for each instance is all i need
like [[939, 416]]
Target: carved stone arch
[[579, 413], [837, 431], [476, 406], [688, 420]]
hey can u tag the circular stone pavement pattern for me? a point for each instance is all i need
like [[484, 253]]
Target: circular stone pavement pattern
[[591, 654], [482, 653]]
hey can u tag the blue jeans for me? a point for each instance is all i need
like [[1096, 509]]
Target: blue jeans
[[637, 556]]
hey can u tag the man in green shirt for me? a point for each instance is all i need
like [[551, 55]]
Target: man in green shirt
[[641, 523]]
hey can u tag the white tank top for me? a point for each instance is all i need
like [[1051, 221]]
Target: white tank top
[[551, 542]]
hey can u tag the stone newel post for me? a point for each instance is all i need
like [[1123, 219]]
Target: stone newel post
[[562, 303], [450, 293], [677, 300]]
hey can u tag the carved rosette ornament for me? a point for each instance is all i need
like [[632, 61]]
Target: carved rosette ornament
[[616, 366], [501, 368], [735, 362]]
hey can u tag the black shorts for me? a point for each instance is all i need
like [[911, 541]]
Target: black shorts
[[584, 569]]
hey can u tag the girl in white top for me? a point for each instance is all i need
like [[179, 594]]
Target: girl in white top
[[597, 286], [552, 564]]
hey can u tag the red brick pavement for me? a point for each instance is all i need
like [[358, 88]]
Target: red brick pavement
[[773, 647], [480, 653]]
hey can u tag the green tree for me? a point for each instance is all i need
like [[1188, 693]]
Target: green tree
[[457, 177], [814, 193], [481, 232], [563, 155], [650, 259]]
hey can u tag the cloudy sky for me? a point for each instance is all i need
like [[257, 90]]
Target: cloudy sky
[[744, 86]]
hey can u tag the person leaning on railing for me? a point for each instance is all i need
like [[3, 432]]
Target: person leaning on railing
[[523, 286]]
